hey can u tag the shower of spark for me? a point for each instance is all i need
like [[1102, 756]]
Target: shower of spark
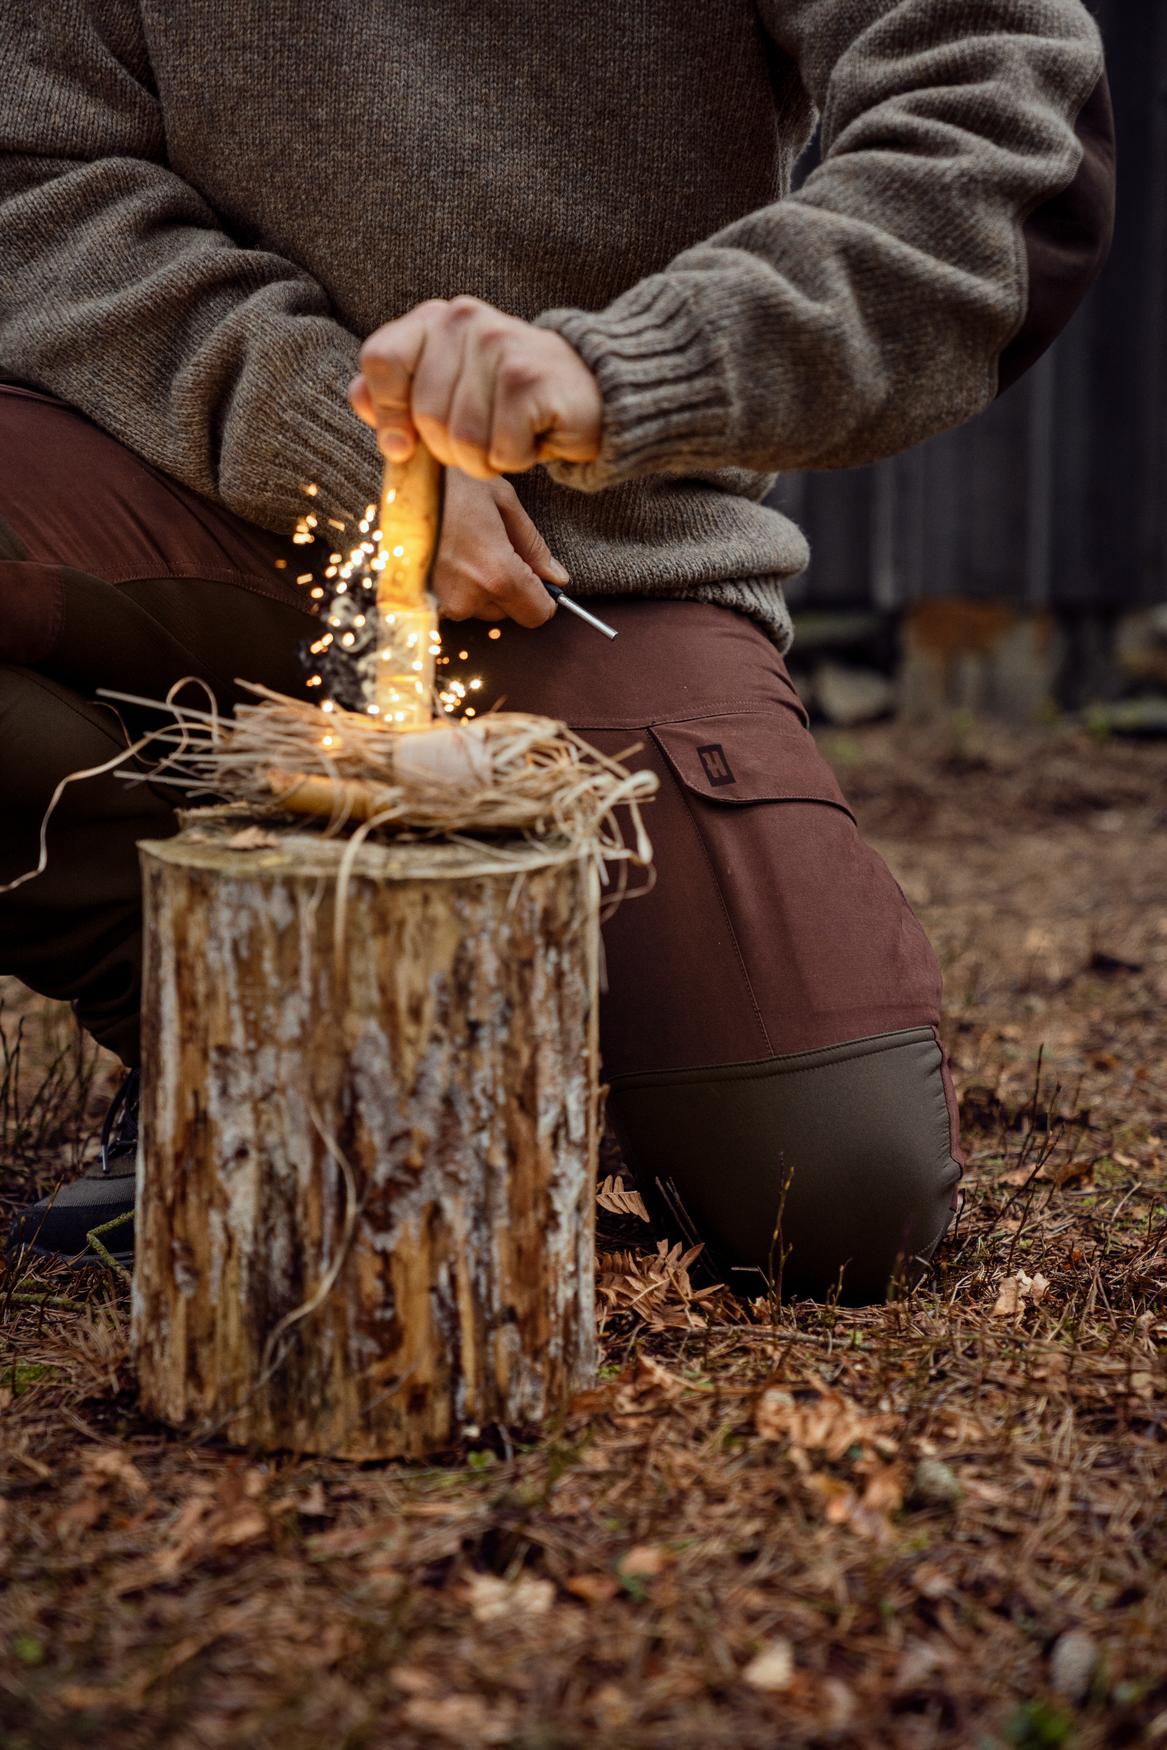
[[377, 641]]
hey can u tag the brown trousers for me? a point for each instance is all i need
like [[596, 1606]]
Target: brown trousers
[[769, 1028]]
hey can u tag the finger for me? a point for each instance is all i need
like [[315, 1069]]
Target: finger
[[547, 405], [470, 414], [462, 599], [454, 385], [519, 418], [361, 401], [389, 361], [451, 403], [525, 538], [494, 585]]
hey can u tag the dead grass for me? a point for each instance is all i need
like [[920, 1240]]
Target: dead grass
[[937, 1522]]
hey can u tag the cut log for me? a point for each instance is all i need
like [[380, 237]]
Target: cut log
[[366, 1183]]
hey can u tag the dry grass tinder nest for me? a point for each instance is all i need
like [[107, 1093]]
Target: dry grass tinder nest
[[505, 771]]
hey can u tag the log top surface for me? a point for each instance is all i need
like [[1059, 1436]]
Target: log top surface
[[206, 843]]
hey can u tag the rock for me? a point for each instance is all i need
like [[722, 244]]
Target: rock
[[933, 1485], [1072, 1664], [847, 696], [772, 1668]]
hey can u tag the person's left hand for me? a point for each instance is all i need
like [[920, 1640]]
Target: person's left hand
[[492, 557], [488, 394]]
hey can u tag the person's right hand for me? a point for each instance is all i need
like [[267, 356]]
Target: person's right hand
[[491, 556]]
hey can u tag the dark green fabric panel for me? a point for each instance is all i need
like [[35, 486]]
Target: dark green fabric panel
[[859, 1132]]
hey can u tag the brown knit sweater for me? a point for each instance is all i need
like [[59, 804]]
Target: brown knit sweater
[[205, 207]]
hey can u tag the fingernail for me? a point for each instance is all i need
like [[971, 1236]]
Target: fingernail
[[558, 573], [393, 445]]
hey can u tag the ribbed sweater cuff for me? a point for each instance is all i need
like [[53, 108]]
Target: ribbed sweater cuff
[[662, 377]]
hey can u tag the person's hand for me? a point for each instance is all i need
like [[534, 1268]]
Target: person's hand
[[491, 556], [489, 394]]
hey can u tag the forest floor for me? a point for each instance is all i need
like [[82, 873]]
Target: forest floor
[[935, 1522]]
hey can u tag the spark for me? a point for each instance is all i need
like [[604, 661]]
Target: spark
[[307, 578], [328, 705], [463, 656], [391, 495], [359, 621], [281, 564], [314, 681], [328, 741], [319, 594], [310, 490], [470, 712], [349, 638], [494, 633], [474, 684], [397, 552], [374, 710], [363, 525], [333, 524], [311, 521], [336, 558], [330, 571]]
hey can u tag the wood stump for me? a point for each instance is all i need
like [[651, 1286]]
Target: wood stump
[[443, 1072]]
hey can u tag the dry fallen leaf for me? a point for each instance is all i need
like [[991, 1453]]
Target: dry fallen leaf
[[1016, 1291], [931, 1581], [819, 1419], [593, 1588], [918, 1661], [654, 1285], [495, 1600], [613, 1197], [112, 1465], [463, 1719], [838, 1705], [771, 1669], [646, 1561]]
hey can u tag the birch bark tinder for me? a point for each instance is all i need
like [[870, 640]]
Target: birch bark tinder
[[448, 1084]]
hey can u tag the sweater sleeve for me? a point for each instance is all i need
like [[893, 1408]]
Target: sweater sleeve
[[871, 309], [107, 254]]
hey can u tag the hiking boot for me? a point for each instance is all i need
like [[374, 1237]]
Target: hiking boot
[[58, 1226]]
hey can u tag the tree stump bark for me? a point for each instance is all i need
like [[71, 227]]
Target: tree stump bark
[[443, 1071]]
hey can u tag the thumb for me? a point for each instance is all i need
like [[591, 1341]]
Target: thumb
[[524, 537]]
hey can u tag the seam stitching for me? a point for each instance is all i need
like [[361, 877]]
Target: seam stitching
[[880, 1042]]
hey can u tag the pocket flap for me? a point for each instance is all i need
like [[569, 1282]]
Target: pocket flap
[[749, 756]]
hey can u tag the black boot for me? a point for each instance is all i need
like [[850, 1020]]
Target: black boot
[[58, 1227]]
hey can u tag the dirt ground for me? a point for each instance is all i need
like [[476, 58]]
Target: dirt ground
[[937, 1522]]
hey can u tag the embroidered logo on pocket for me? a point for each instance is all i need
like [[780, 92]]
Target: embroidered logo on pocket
[[716, 765]]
